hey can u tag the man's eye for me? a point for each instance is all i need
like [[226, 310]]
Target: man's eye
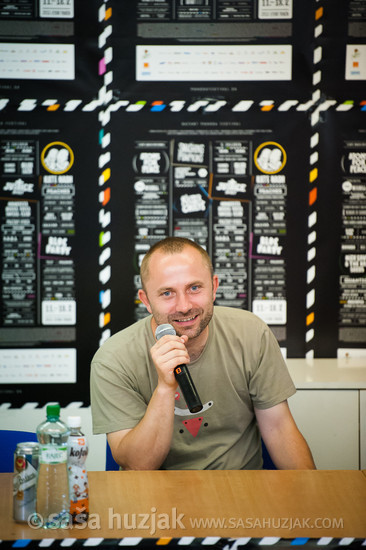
[[167, 293], [195, 288]]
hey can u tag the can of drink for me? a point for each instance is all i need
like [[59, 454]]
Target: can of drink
[[26, 458]]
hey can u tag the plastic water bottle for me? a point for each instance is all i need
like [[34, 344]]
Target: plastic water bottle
[[77, 452], [53, 487]]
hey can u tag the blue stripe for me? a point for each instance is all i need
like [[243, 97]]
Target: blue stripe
[[21, 543], [299, 541], [157, 108]]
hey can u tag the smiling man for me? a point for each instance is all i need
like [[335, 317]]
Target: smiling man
[[235, 363]]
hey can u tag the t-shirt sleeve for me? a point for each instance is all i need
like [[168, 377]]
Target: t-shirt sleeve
[[116, 403], [270, 383]]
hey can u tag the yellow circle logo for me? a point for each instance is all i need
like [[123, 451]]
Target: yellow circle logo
[[270, 157], [57, 157]]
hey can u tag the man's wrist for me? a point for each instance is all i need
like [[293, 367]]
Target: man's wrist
[[165, 391]]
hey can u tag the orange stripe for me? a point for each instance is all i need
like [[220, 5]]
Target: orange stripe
[[108, 13], [313, 196], [53, 107], [309, 319], [107, 196], [163, 541], [210, 184], [319, 13]]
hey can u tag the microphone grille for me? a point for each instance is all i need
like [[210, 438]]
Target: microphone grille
[[162, 330]]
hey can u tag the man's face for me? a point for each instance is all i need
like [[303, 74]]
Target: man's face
[[180, 291]]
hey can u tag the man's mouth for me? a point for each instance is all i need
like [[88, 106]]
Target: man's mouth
[[186, 319]]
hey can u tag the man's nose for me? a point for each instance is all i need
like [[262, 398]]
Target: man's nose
[[183, 302]]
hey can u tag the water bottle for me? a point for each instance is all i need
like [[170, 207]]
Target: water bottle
[[77, 452], [53, 487]]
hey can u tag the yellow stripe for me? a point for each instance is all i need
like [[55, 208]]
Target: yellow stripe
[[106, 174], [313, 175]]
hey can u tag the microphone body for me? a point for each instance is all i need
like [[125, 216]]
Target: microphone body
[[182, 375]]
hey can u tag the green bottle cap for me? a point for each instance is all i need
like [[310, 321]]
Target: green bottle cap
[[53, 411]]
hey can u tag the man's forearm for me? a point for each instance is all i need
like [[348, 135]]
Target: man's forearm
[[146, 446], [283, 439], [289, 451]]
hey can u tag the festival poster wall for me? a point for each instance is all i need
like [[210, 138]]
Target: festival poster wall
[[237, 185], [49, 242], [341, 267], [209, 48], [49, 49]]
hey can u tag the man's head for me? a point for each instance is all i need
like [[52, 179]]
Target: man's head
[[171, 245], [178, 285]]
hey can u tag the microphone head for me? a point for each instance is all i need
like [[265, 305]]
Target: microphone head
[[162, 330]]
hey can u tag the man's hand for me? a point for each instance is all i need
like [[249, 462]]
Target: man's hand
[[167, 353], [146, 446]]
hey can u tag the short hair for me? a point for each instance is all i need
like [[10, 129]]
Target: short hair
[[172, 245]]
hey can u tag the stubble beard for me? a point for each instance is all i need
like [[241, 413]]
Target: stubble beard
[[191, 333]]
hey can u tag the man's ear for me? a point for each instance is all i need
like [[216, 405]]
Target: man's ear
[[144, 299], [215, 284]]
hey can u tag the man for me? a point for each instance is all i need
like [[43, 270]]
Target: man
[[235, 363]]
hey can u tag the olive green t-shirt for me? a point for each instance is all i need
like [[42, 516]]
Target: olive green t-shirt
[[241, 367]]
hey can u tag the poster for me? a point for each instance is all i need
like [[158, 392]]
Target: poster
[[341, 265], [49, 50], [49, 243], [343, 51], [207, 48], [229, 183]]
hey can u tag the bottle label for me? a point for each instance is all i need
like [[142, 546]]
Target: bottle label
[[51, 454], [25, 479], [77, 450]]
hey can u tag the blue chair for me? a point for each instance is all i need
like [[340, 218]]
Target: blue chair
[[9, 440], [110, 463], [267, 460]]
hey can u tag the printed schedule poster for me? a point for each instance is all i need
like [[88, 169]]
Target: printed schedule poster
[[237, 186], [341, 293], [49, 50], [193, 48], [343, 63], [49, 243]]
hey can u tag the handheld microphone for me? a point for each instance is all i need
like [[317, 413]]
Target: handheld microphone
[[182, 375]]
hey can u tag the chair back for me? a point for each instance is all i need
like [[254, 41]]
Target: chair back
[[110, 463], [8, 442], [267, 460]]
